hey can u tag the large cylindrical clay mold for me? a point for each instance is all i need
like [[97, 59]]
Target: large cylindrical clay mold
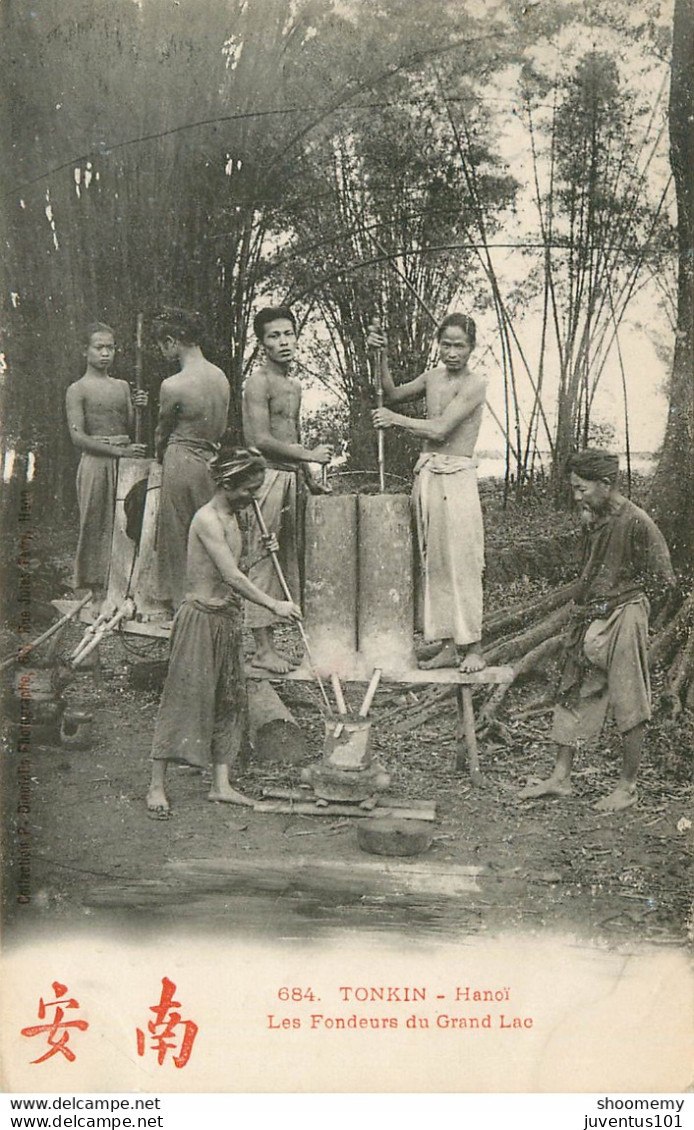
[[330, 584], [385, 593]]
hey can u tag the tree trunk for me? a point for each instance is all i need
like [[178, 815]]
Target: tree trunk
[[672, 496]]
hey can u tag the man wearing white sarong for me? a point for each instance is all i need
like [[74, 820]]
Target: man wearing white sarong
[[445, 497]]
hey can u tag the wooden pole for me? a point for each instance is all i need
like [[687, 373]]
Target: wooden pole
[[378, 386], [427, 310], [339, 696], [90, 644], [138, 375], [466, 733], [285, 589], [371, 691], [45, 635]]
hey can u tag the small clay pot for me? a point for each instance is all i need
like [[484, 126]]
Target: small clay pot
[[76, 730]]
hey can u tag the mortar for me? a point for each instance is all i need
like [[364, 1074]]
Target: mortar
[[347, 770]]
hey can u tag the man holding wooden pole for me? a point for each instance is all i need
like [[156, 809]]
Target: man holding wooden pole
[[202, 713], [272, 423], [100, 415], [445, 497]]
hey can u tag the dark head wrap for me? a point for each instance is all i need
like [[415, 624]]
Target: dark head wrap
[[594, 465], [240, 463]]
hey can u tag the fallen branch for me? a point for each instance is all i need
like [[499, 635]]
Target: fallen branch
[[517, 646], [665, 643], [533, 659], [520, 614], [423, 710], [681, 673]]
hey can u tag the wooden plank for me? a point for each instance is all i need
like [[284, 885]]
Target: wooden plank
[[450, 675], [388, 802], [307, 808], [387, 875]]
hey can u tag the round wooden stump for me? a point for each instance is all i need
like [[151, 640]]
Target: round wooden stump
[[394, 837]]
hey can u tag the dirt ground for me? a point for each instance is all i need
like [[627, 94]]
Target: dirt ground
[[95, 856], [77, 831]]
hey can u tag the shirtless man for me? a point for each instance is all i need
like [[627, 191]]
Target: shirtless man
[[626, 566], [271, 422], [100, 418], [193, 407], [203, 705], [445, 498]]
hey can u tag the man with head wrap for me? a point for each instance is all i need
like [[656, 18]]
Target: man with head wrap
[[203, 705], [626, 562]]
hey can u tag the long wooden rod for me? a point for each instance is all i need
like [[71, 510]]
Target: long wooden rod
[[285, 589]]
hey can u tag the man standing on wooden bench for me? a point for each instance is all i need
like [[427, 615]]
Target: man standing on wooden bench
[[202, 712], [193, 407], [626, 561], [100, 419], [272, 423], [445, 497]]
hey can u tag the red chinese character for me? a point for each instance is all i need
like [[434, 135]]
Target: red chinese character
[[163, 1028], [57, 1032]]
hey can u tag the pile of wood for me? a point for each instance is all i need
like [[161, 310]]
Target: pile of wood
[[529, 636]]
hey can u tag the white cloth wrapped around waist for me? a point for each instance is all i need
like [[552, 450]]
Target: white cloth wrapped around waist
[[441, 463], [451, 543]]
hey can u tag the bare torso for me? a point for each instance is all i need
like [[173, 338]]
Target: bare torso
[[198, 397], [441, 388], [104, 403], [204, 579], [282, 394]]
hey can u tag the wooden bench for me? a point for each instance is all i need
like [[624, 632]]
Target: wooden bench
[[466, 738]]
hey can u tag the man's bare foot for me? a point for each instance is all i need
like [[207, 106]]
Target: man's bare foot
[[226, 795], [158, 807], [446, 657], [553, 786], [624, 796], [271, 661], [473, 660]]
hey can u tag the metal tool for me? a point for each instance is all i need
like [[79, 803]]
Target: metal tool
[[285, 589]]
